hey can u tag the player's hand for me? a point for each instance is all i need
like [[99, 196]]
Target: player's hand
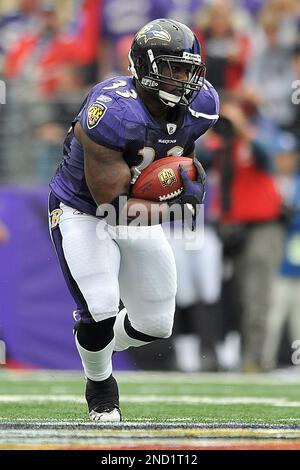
[[193, 193]]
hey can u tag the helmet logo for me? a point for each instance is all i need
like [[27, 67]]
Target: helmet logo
[[148, 32]]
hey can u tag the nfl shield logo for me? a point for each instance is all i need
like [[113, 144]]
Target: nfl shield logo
[[167, 177]]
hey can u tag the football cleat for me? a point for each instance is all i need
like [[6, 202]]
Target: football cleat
[[103, 400], [107, 415]]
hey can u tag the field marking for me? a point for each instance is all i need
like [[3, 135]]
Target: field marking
[[144, 435], [79, 424], [271, 378], [184, 399], [143, 431], [190, 445], [120, 435], [141, 423]]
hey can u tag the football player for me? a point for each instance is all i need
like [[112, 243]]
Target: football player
[[124, 124]]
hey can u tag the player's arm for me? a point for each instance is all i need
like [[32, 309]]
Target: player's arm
[[106, 172], [190, 151], [108, 176], [192, 154]]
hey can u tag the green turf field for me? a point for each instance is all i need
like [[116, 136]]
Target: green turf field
[[191, 406]]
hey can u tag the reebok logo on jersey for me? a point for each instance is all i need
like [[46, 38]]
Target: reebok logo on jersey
[[171, 128], [104, 98], [95, 112]]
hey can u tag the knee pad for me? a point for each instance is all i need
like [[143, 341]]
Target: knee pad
[[95, 336]]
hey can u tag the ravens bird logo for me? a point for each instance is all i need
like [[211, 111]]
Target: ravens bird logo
[[148, 32]]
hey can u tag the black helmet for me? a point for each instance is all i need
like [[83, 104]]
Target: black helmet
[[159, 47]]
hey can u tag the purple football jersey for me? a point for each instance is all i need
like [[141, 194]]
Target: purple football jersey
[[114, 116]]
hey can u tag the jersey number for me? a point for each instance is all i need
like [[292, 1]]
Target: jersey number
[[148, 155], [125, 94]]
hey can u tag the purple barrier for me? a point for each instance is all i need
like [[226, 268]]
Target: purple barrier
[[35, 306]]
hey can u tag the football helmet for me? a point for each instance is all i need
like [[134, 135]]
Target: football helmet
[[165, 59]]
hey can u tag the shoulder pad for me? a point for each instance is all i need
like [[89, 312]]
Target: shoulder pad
[[206, 105], [102, 114]]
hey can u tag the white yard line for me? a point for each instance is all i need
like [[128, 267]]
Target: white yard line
[[138, 425], [170, 421], [186, 399], [276, 377]]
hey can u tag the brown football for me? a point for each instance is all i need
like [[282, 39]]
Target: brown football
[[161, 180]]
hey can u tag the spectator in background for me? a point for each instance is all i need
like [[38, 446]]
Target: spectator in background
[[50, 120], [285, 304], [40, 69], [121, 56], [227, 50], [36, 62], [269, 75], [182, 10], [17, 23], [288, 14], [120, 19], [253, 6], [46, 149], [250, 208]]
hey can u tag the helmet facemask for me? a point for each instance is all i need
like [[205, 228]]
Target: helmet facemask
[[156, 75]]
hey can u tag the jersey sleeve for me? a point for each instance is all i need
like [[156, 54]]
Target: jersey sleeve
[[210, 103], [101, 119], [204, 111]]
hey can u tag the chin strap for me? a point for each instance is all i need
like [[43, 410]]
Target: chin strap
[[168, 98]]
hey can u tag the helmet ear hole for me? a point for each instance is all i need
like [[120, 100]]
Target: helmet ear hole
[[140, 66], [139, 61]]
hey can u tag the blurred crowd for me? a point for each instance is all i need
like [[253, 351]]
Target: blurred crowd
[[238, 298]]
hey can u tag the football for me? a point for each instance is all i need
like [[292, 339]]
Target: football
[[161, 180]]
